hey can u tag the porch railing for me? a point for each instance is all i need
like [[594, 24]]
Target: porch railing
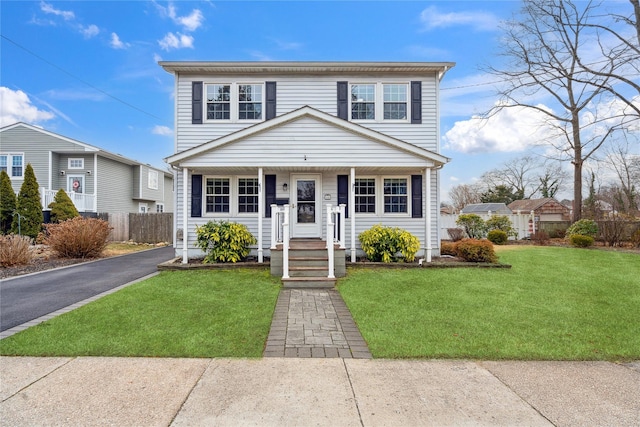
[[280, 234], [335, 234], [83, 202]]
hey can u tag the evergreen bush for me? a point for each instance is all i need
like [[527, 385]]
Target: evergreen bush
[[383, 244], [7, 203], [497, 237], [501, 222], [27, 219], [449, 248], [473, 225], [62, 207], [474, 250], [581, 241], [224, 241], [584, 227]]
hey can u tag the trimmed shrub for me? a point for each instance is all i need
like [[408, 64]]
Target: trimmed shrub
[[224, 241], [28, 217], [502, 223], [497, 237], [584, 227], [580, 241], [78, 237], [473, 225], [7, 203], [474, 250], [62, 208], [382, 243], [448, 248], [456, 234], [14, 250]]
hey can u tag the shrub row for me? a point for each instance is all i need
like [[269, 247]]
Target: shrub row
[[471, 250]]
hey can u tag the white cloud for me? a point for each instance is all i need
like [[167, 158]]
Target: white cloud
[[48, 8], [116, 43], [89, 31], [190, 22], [511, 129], [162, 130], [15, 106], [176, 41], [432, 19]]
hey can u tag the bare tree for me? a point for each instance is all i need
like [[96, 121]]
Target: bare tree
[[544, 46], [463, 195], [626, 167]]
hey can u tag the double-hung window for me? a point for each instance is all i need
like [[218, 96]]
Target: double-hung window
[[250, 102], [365, 195], [247, 195], [394, 101], [395, 195], [363, 102], [76, 163], [12, 164], [217, 195], [152, 180], [218, 102]]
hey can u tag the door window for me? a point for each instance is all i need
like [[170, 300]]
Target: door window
[[306, 201]]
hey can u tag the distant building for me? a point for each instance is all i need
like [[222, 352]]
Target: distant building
[[545, 210], [486, 208]]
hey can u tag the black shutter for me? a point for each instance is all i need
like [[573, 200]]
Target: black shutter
[[343, 192], [416, 102], [196, 103], [196, 196], [269, 194], [343, 100], [270, 110], [416, 196]]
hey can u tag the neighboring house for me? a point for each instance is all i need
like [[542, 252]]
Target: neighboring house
[[95, 179], [250, 135], [487, 208], [545, 210]]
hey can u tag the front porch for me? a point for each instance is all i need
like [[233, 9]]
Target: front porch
[[83, 202]]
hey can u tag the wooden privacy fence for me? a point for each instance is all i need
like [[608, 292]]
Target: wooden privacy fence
[[141, 227]]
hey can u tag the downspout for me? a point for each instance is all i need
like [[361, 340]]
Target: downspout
[[427, 180], [260, 214], [95, 180], [185, 216]]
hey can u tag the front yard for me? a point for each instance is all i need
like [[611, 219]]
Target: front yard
[[553, 304]]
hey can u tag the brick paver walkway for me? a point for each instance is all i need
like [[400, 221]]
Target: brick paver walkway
[[314, 323]]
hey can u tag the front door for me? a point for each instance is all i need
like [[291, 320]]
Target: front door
[[306, 210]]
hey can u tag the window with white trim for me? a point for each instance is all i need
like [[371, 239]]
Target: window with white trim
[[365, 201], [250, 102], [12, 164], [75, 164], [247, 195], [394, 101], [143, 208], [218, 102], [363, 102], [217, 195], [395, 195], [159, 207], [152, 181]]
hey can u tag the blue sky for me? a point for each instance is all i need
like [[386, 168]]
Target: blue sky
[[88, 70]]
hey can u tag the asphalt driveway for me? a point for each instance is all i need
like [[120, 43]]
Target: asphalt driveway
[[28, 297]]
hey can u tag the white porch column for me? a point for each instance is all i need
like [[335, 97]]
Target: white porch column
[[352, 213], [185, 215], [260, 214], [428, 237]]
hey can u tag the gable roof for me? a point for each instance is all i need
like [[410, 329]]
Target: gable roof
[[87, 147], [532, 204], [300, 113], [496, 208]]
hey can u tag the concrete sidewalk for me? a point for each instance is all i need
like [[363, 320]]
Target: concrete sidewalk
[[92, 391]]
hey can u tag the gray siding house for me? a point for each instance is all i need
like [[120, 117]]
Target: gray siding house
[[256, 140], [96, 180]]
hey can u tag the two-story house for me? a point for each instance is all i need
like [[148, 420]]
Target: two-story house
[[251, 137], [95, 180]]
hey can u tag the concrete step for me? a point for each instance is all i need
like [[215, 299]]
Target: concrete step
[[306, 271], [307, 244], [308, 262], [308, 282]]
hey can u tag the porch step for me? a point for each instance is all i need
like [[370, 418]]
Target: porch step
[[309, 271], [308, 282], [308, 261], [307, 244]]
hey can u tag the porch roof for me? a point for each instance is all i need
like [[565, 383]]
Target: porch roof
[[191, 155]]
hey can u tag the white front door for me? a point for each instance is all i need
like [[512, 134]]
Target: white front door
[[306, 214]]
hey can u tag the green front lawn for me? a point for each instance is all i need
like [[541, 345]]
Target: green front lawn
[[553, 304], [175, 314]]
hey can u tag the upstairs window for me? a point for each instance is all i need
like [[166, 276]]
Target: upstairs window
[[12, 164], [217, 192], [218, 102], [76, 163], [250, 102], [363, 102], [394, 102], [152, 181]]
